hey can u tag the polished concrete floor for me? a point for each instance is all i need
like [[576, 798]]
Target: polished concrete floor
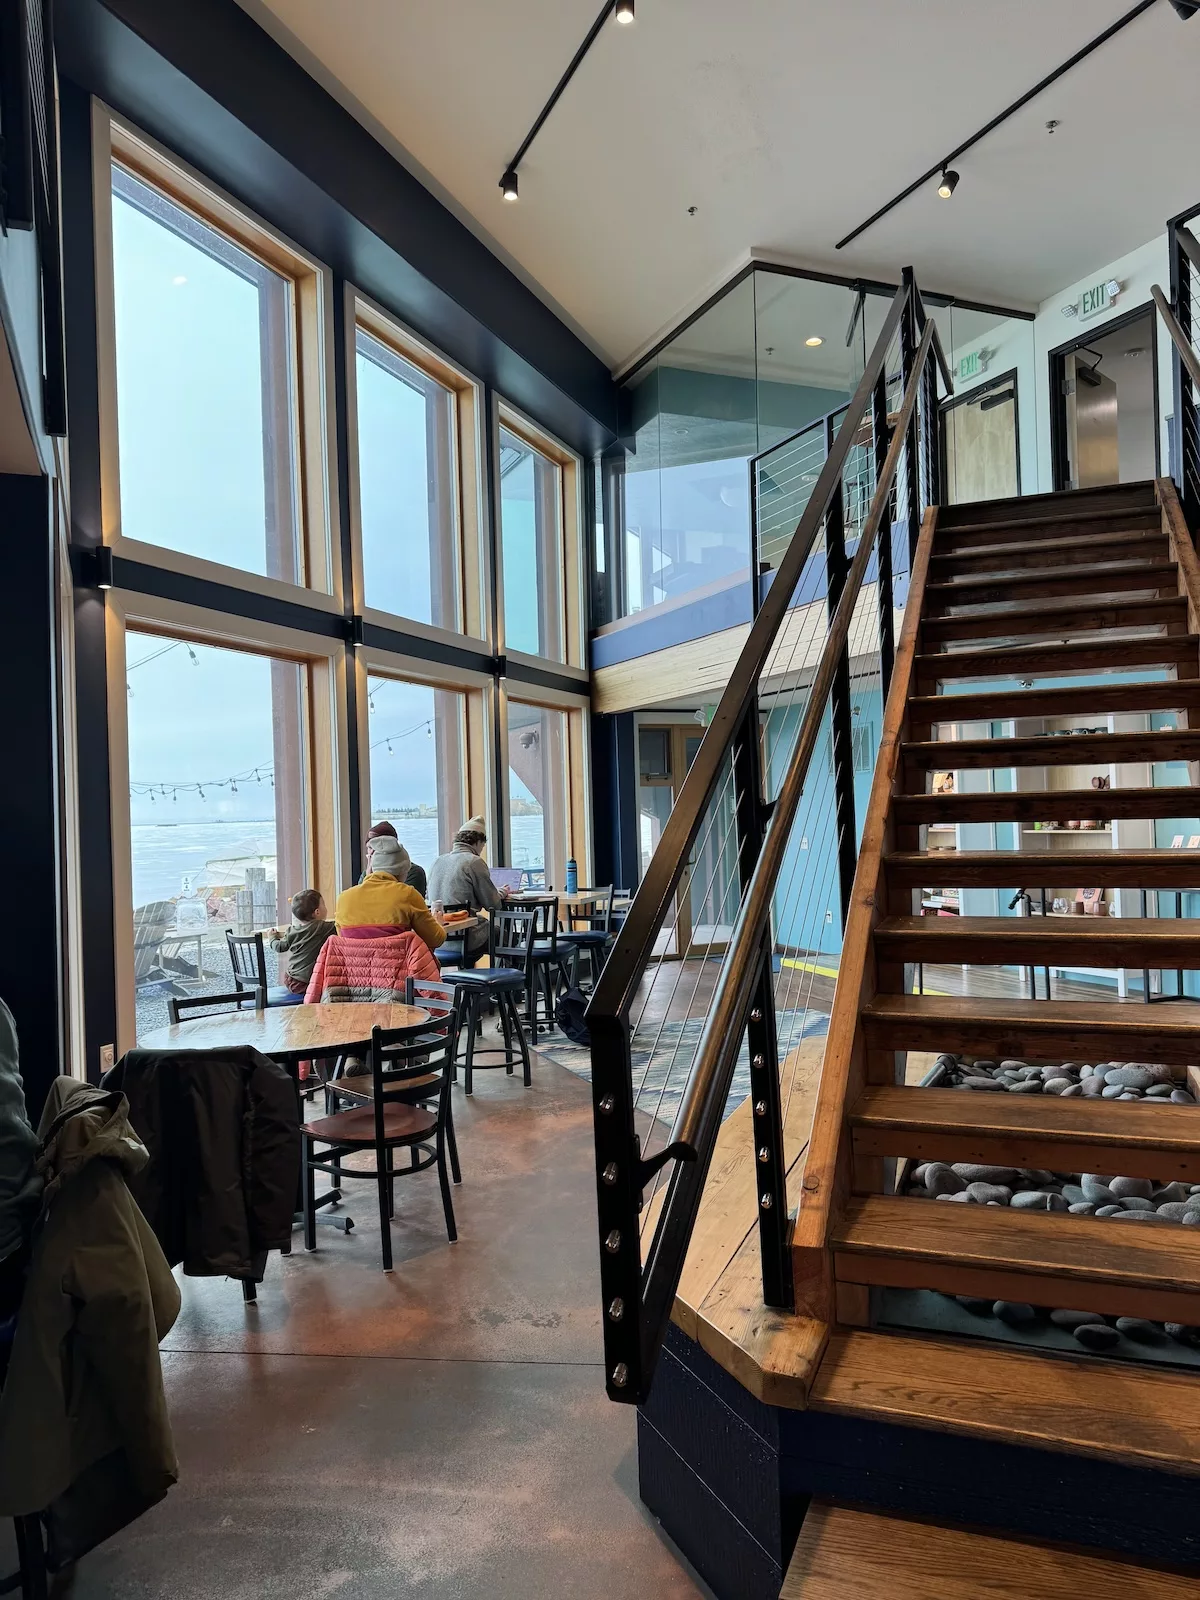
[[438, 1431]]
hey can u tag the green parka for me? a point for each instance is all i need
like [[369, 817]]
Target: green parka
[[84, 1431]]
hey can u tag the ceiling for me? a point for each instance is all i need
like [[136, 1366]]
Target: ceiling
[[784, 123]]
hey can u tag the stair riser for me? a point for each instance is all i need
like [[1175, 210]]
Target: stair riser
[[932, 711], [995, 535], [1108, 944], [1012, 869], [1014, 1150], [1056, 620], [1050, 555], [1031, 1288], [1128, 498], [1040, 1041], [1064, 805], [1054, 660], [941, 598], [1069, 750]]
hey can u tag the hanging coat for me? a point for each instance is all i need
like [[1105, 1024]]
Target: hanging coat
[[84, 1432], [223, 1131]]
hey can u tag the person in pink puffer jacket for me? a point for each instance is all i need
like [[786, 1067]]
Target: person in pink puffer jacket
[[366, 964]]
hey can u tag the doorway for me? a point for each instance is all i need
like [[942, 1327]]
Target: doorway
[[981, 454], [1104, 404]]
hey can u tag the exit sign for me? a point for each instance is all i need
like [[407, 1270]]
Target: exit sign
[[974, 364], [1099, 297]]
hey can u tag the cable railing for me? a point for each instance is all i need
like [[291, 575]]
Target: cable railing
[[723, 971], [1181, 318]]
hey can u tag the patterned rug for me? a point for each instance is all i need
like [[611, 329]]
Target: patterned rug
[[662, 1061]]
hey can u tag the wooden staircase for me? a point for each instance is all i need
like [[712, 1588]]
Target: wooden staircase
[[1099, 589]]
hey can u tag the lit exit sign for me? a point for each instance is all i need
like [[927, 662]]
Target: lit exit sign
[[974, 364], [1099, 297]]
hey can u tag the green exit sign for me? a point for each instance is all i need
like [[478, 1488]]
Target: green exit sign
[[974, 364], [1099, 297]]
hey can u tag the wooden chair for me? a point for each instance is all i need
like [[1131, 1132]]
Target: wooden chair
[[179, 1008], [249, 961], [399, 1058], [508, 975], [588, 932]]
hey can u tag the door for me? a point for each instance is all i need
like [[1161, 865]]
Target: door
[[1104, 404], [980, 440]]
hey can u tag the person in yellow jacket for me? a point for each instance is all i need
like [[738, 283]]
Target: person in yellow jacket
[[384, 902]]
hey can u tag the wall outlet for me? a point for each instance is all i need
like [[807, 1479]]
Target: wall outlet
[[108, 1055]]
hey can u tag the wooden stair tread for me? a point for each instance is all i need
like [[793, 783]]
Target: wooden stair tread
[[1139, 1139], [1080, 655], [1057, 1259], [1047, 805], [1104, 579], [1059, 1030], [997, 705], [1081, 616], [845, 1554], [1077, 523], [1144, 1416], [1048, 554], [1008, 869], [1100, 496], [1055, 750], [1086, 941]]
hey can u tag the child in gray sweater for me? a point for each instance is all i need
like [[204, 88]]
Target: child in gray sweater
[[303, 940]]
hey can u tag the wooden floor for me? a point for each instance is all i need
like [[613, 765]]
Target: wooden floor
[[844, 1554]]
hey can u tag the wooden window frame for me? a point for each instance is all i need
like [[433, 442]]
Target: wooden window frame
[[572, 556], [326, 748], [116, 141], [577, 767]]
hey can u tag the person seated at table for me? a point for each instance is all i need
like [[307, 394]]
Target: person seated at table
[[383, 902], [461, 878], [311, 926], [351, 967], [385, 830]]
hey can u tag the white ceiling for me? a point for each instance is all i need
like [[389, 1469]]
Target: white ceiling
[[785, 123]]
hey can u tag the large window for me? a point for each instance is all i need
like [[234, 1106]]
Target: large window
[[417, 749], [531, 536], [218, 809], [539, 818], [205, 345], [407, 487]]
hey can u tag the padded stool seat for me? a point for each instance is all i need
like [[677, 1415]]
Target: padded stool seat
[[475, 988]]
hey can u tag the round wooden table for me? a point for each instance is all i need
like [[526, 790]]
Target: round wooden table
[[288, 1034]]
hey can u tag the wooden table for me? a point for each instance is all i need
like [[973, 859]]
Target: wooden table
[[565, 901], [288, 1034]]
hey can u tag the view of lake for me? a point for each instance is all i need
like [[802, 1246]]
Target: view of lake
[[164, 852]]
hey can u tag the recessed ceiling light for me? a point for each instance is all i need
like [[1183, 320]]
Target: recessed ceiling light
[[814, 341], [178, 279], [948, 184]]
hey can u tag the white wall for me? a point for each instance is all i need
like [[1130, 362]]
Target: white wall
[[1137, 271]]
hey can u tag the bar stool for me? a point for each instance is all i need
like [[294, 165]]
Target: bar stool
[[503, 983]]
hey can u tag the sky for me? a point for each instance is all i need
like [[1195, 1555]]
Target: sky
[[190, 428]]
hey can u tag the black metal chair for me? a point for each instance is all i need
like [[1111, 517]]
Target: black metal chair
[[548, 966], [180, 1007], [591, 938], [249, 960], [399, 1058], [504, 981]]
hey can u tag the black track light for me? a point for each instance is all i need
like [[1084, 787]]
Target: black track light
[[1186, 8], [949, 183], [508, 184], [623, 10]]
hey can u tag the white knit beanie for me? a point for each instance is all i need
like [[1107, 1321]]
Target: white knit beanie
[[390, 856]]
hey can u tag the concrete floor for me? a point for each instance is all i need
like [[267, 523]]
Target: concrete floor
[[438, 1431]]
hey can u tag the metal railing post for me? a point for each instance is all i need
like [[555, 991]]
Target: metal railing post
[[770, 1168], [840, 712], [908, 348], [887, 640], [1187, 426]]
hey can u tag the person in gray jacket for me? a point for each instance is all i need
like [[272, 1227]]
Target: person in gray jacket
[[460, 878]]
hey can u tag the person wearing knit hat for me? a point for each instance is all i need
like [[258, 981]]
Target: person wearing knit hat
[[384, 900], [415, 879], [460, 877]]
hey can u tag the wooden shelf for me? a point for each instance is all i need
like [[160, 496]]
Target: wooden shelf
[[1071, 833]]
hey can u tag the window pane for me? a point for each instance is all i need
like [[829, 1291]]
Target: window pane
[[537, 792], [531, 537], [205, 398], [417, 767], [407, 489], [218, 807]]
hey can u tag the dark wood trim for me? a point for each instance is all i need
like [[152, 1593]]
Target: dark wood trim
[[1056, 361]]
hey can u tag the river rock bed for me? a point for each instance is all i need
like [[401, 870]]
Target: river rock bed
[[1113, 1197]]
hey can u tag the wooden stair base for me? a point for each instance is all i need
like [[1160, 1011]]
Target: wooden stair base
[[1142, 1140], [845, 1554], [1084, 700], [1056, 660], [1132, 1269], [1161, 943], [1046, 805], [911, 870], [1053, 750]]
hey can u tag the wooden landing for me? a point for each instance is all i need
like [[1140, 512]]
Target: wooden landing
[[719, 1300], [860, 1555]]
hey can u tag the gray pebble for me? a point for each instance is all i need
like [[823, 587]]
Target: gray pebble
[[1140, 1216], [985, 1194], [1039, 1200], [1136, 1202], [983, 1083], [1013, 1065], [1176, 1211], [1027, 1086], [1096, 1188], [1073, 1193], [1097, 1336], [1082, 1208], [986, 1065], [1074, 1319], [942, 1179], [1040, 1177], [1111, 1211], [1180, 1097], [1182, 1333], [1086, 1072], [1191, 1219], [1014, 1312], [1140, 1330], [973, 1304], [1122, 1188], [981, 1172], [1158, 1091], [963, 1199], [1075, 1089], [1130, 1094], [1058, 1086], [1130, 1077], [1112, 1091], [1169, 1191], [1159, 1075], [1092, 1088], [917, 1176]]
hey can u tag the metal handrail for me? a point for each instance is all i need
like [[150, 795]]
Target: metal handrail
[[622, 972], [1189, 244], [1182, 343], [924, 321], [780, 444]]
